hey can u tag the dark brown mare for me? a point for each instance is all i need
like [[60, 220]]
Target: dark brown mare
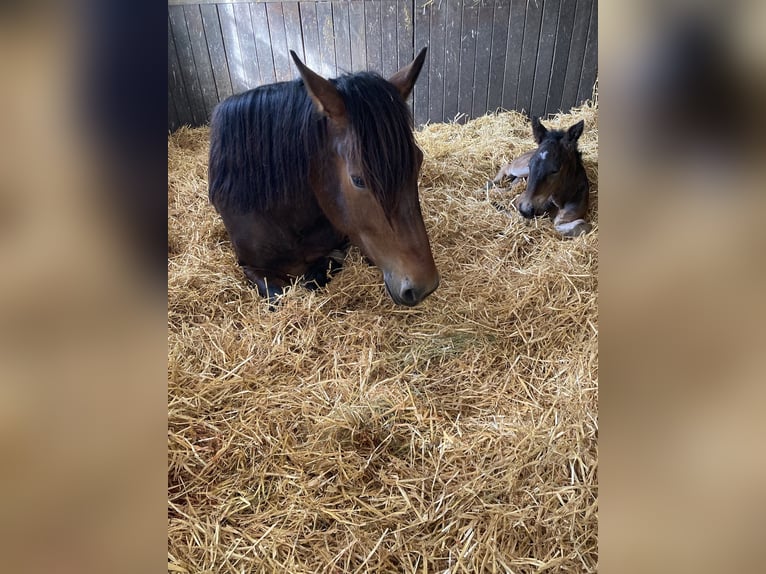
[[298, 170], [557, 184]]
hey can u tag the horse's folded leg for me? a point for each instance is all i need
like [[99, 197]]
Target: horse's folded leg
[[270, 289], [573, 228], [322, 270], [318, 275], [337, 257]]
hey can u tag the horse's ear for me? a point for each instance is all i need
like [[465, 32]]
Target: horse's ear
[[538, 130], [405, 79], [574, 133], [322, 92]]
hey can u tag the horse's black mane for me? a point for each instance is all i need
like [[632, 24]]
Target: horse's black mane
[[262, 141]]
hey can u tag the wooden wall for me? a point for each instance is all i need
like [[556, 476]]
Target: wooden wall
[[535, 56]]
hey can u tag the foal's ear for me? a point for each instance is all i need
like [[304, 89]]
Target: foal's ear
[[404, 79], [326, 98], [539, 131], [574, 133]]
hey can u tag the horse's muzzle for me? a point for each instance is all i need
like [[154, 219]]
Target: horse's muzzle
[[409, 293]]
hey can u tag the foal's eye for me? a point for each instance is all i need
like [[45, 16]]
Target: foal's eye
[[357, 181]]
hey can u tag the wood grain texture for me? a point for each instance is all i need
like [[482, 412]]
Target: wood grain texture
[[545, 49], [216, 50], [201, 57], [536, 56], [186, 64], [482, 58], [453, 30], [422, 22], [358, 36], [560, 56], [342, 37], [326, 30], [176, 85], [500, 22], [436, 60], [590, 58], [576, 54]]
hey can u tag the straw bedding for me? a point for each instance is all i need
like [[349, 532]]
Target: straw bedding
[[341, 433]]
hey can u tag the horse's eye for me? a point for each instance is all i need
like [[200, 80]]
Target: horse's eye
[[357, 181]]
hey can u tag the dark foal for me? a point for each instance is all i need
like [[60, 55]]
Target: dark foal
[[299, 170], [557, 184]]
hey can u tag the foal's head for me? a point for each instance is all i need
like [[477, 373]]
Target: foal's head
[[552, 169], [368, 187]]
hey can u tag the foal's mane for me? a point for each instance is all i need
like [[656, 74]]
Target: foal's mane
[[555, 137], [263, 140]]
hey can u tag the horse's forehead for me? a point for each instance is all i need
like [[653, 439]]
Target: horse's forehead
[[548, 153]]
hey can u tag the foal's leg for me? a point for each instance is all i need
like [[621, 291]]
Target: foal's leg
[[517, 169], [504, 172], [570, 223]]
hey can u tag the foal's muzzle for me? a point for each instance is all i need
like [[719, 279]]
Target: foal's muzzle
[[526, 209]]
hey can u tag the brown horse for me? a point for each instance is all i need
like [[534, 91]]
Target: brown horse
[[298, 170], [557, 184]]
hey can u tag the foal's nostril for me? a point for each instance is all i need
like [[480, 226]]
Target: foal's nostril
[[526, 210]]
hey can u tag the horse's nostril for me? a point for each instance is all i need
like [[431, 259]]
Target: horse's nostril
[[409, 293], [409, 297]]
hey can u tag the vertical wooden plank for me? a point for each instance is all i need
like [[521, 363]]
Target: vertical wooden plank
[[216, 50], [497, 54], [282, 68], [483, 52], [529, 56], [292, 14], [176, 83], [405, 34], [326, 40], [358, 29], [467, 58], [372, 36], [576, 55], [342, 38], [545, 48], [513, 53], [172, 114], [247, 45], [390, 63], [436, 68], [201, 57], [590, 59], [231, 44], [263, 43], [452, 31], [310, 35], [422, 31], [560, 55], [173, 122], [187, 65]]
